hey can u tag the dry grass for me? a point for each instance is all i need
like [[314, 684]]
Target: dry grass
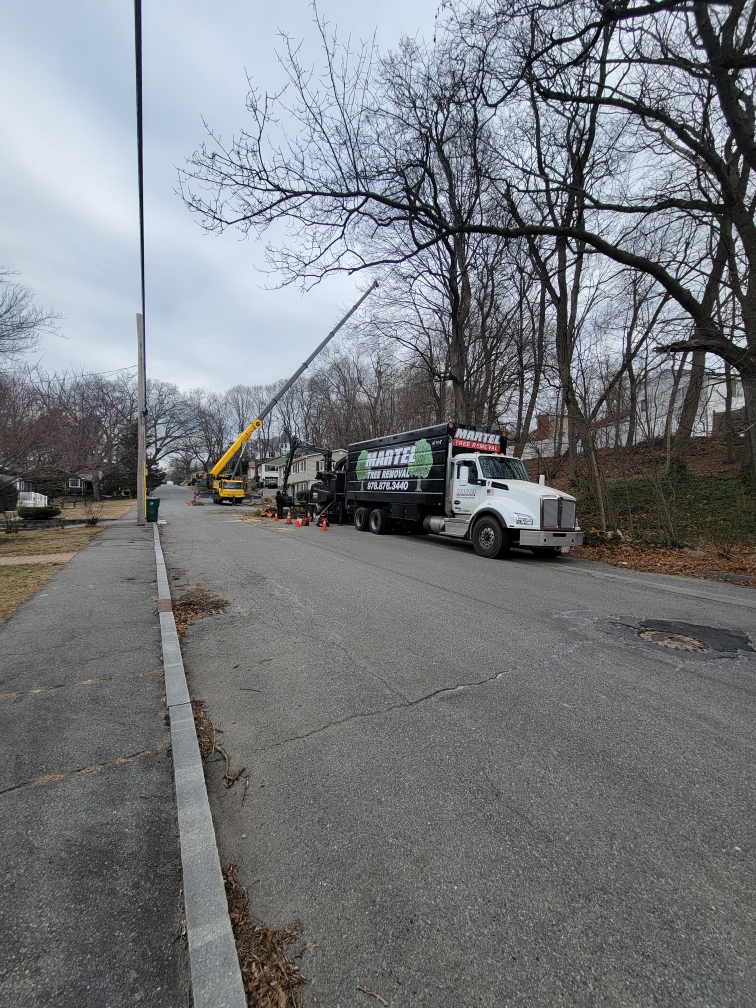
[[46, 541], [110, 509], [195, 604], [270, 979], [17, 583]]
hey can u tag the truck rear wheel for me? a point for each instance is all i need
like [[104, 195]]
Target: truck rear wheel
[[489, 538], [379, 521], [361, 519]]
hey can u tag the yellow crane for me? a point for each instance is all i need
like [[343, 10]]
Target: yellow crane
[[225, 485]]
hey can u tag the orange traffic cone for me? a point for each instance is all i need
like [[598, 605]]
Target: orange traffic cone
[[288, 516], [275, 517], [324, 524], [298, 523], [188, 503]]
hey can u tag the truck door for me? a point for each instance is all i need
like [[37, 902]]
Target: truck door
[[469, 490]]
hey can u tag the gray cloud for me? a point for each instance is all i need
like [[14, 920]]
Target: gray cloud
[[69, 179]]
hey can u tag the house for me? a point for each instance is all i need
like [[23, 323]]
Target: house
[[266, 471], [80, 485], [306, 469], [651, 417]]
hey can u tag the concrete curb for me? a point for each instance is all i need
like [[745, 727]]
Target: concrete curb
[[216, 977]]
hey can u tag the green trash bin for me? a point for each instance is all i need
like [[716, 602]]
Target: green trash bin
[[153, 503]]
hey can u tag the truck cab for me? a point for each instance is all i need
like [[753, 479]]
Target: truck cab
[[528, 514]]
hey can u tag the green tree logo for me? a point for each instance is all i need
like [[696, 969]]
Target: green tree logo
[[362, 468], [423, 462]]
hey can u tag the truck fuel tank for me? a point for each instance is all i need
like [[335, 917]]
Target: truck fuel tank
[[434, 523]]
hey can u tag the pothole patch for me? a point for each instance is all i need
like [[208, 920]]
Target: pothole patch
[[676, 641], [692, 639]]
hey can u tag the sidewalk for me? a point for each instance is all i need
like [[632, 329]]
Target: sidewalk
[[91, 878]]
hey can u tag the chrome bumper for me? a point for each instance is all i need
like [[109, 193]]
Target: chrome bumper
[[536, 538]]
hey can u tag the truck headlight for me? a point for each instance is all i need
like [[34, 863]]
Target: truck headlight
[[523, 519]]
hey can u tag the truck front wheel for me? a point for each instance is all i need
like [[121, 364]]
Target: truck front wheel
[[361, 519], [379, 521], [489, 538]]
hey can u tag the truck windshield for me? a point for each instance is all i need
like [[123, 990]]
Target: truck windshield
[[231, 485], [499, 467]]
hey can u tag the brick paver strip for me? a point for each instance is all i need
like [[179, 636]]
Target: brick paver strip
[[40, 558]]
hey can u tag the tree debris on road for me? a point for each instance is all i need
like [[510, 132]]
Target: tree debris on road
[[195, 604], [207, 737], [270, 979]]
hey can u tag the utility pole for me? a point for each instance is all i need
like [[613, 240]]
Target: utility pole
[[141, 426], [141, 360]]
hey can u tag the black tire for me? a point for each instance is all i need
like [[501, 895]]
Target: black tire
[[361, 519], [379, 521], [547, 552], [489, 538], [216, 499]]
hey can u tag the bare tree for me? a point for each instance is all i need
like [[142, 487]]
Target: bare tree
[[21, 321], [383, 167]]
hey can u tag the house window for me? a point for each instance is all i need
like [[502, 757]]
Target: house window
[[74, 483], [271, 468]]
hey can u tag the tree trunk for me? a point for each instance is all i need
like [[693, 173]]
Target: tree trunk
[[537, 372], [96, 485], [676, 376], [592, 459], [729, 433], [749, 393], [632, 419], [681, 442], [459, 289]]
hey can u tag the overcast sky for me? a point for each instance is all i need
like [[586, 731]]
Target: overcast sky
[[68, 189]]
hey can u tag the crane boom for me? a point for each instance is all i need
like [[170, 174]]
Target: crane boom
[[258, 421]]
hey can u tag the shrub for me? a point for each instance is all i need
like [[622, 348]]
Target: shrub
[[38, 513], [93, 510], [8, 495]]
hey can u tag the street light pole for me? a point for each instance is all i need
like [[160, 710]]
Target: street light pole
[[141, 426], [141, 361]]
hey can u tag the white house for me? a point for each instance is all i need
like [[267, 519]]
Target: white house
[[306, 469], [653, 403]]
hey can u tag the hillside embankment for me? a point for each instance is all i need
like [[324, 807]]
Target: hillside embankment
[[698, 520]]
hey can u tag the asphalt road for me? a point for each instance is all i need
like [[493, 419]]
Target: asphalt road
[[470, 779]]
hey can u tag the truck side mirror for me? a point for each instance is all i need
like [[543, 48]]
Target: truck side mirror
[[464, 475]]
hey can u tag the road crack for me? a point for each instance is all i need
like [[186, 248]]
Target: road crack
[[385, 710], [82, 682], [94, 768]]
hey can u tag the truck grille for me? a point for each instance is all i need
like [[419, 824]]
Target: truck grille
[[557, 513]]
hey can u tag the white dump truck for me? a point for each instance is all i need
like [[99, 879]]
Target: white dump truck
[[451, 481]]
